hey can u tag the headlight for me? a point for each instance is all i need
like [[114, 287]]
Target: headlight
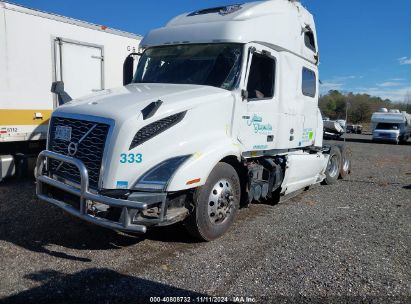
[[158, 177]]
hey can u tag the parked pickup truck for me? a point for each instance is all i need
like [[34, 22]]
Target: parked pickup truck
[[222, 111], [356, 129]]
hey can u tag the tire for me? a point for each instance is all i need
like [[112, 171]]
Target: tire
[[333, 167], [345, 167], [403, 140], [210, 218]]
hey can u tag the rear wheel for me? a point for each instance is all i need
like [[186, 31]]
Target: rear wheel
[[345, 168], [216, 204], [333, 167]]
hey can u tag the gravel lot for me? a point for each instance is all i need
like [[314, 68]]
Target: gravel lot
[[350, 242]]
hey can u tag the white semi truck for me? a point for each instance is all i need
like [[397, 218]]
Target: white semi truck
[[37, 48], [222, 111]]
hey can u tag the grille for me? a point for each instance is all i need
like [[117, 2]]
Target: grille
[[90, 150], [156, 128]]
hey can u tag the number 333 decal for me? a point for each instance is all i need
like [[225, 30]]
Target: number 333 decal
[[131, 158]]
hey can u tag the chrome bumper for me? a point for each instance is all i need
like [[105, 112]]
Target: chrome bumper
[[85, 196], [385, 138]]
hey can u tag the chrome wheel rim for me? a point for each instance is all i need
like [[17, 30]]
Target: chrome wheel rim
[[332, 166], [220, 201], [346, 165]]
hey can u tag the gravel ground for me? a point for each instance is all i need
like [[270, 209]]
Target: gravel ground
[[350, 242]]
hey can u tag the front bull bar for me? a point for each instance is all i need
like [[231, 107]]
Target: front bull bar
[[85, 195]]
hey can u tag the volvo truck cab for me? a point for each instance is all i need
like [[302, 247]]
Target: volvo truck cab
[[222, 111]]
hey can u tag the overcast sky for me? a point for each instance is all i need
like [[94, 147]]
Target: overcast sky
[[365, 45]]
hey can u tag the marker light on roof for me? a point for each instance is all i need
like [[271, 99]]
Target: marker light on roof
[[229, 9], [222, 10]]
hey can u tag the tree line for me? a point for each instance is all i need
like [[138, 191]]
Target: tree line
[[360, 106]]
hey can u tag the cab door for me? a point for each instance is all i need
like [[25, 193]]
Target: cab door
[[257, 124]]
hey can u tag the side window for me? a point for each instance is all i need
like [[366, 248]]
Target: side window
[[309, 40], [309, 83], [261, 78]]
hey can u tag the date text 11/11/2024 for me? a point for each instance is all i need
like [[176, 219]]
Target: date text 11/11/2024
[[202, 299]]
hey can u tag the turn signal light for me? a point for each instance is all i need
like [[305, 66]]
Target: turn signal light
[[193, 181]]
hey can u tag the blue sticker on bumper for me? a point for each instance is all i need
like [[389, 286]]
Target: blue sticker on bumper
[[122, 185]]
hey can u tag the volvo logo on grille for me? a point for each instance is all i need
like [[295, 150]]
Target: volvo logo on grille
[[72, 148]]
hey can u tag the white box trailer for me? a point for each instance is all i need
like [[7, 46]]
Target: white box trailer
[[38, 48]]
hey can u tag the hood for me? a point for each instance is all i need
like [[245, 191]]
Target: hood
[[122, 103]]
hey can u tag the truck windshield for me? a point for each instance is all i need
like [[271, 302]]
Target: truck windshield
[[216, 65], [387, 126]]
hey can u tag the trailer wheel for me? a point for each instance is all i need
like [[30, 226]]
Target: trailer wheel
[[216, 204], [333, 167], [345, 161]]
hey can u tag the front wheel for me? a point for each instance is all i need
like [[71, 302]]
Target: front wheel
[[403, 140], [216, 204]]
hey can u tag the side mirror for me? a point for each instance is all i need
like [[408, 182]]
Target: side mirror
[[128, 68], [57, 88]]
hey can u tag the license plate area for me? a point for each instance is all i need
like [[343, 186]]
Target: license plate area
[[63, 133]]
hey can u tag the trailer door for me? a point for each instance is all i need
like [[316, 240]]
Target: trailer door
[[80, 66]]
